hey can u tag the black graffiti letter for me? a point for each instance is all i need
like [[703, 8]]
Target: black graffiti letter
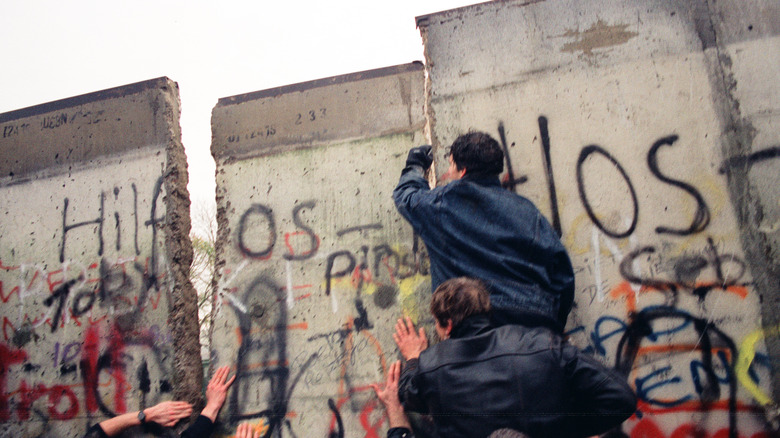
[[66, 227], [331, 261], [702, 217], [77, 307], [242, 224], [581, 185], [556, 216], [313, 240], [153, 221], [60, 293]]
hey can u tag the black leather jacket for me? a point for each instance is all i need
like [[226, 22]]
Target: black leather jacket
[[527, 379]]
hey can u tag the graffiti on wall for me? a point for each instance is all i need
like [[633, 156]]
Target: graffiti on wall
[[367, 268], [76, 347], [678, 358], [649, 300]]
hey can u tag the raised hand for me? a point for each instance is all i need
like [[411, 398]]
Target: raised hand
[[389, 397], [216, 392], [410, 342]]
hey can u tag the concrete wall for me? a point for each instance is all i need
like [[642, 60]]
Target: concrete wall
[[647, 131], [315, 263], [94, 252]]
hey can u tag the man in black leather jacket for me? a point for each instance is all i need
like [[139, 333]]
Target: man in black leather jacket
[[480, 379]]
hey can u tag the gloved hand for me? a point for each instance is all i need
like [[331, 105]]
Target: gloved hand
[[420, 156]]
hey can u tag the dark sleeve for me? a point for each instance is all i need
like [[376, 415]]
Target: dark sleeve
[[409, 193], [562, 279], [399, 432], [409, 391], [201, 428], [601, 397], [96, 432]]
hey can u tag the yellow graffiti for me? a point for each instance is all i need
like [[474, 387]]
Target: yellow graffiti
[[261, 428], [747, 352], [409, 301]]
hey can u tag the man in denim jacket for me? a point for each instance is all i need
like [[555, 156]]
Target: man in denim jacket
[[473, 227]]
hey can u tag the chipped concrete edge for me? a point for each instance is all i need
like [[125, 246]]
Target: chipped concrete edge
[[183, 316], [737, 135]]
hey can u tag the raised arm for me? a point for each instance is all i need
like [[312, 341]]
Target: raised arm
[[216, 393], [411, 343], [389, 398], [413, 184]]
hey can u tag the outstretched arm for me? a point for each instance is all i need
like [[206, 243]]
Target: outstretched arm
[[413, 185], [165, 414], [216, 393], [389, 398], [411, 343]]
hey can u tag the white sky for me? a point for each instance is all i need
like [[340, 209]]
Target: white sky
[[54, 49]]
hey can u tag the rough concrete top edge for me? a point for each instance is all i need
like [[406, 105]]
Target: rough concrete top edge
[[422, 20], [109, 93], [302, 86]]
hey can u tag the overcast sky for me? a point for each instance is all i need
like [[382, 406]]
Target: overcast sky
[[57, 49]]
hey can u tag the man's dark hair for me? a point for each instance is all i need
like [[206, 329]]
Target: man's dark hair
[[458, 298], [478, 153]]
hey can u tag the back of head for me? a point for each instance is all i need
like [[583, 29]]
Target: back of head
[[507, 433], [478, 153], [458, 298]]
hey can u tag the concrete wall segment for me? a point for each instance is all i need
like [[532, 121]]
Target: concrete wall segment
[[315, 263], [310, 114], [647, 131], [748, 111], [58, 136], [94, 255], [546, 36]]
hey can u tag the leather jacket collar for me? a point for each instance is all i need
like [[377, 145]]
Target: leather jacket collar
[[472, 326]]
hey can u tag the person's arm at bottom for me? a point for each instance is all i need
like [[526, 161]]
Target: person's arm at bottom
[[389, 397], [216, 393], [399, 422], [165, 414]]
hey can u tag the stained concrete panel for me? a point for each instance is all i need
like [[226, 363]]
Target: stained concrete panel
[[94, 254], [315, 264], [632, 126]]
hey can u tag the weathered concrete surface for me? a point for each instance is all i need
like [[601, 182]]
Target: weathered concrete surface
[[647, 131], [315, 263], [94, 255]]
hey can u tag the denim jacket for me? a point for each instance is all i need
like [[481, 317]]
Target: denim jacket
[[473, 227]]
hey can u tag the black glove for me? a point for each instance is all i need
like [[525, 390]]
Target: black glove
[[420, 156]]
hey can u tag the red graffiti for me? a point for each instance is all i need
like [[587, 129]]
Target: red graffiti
[[372, 429], [89, 371], [647, 428], [91, 368], [61, 402], [28, 396], [8, 357]]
